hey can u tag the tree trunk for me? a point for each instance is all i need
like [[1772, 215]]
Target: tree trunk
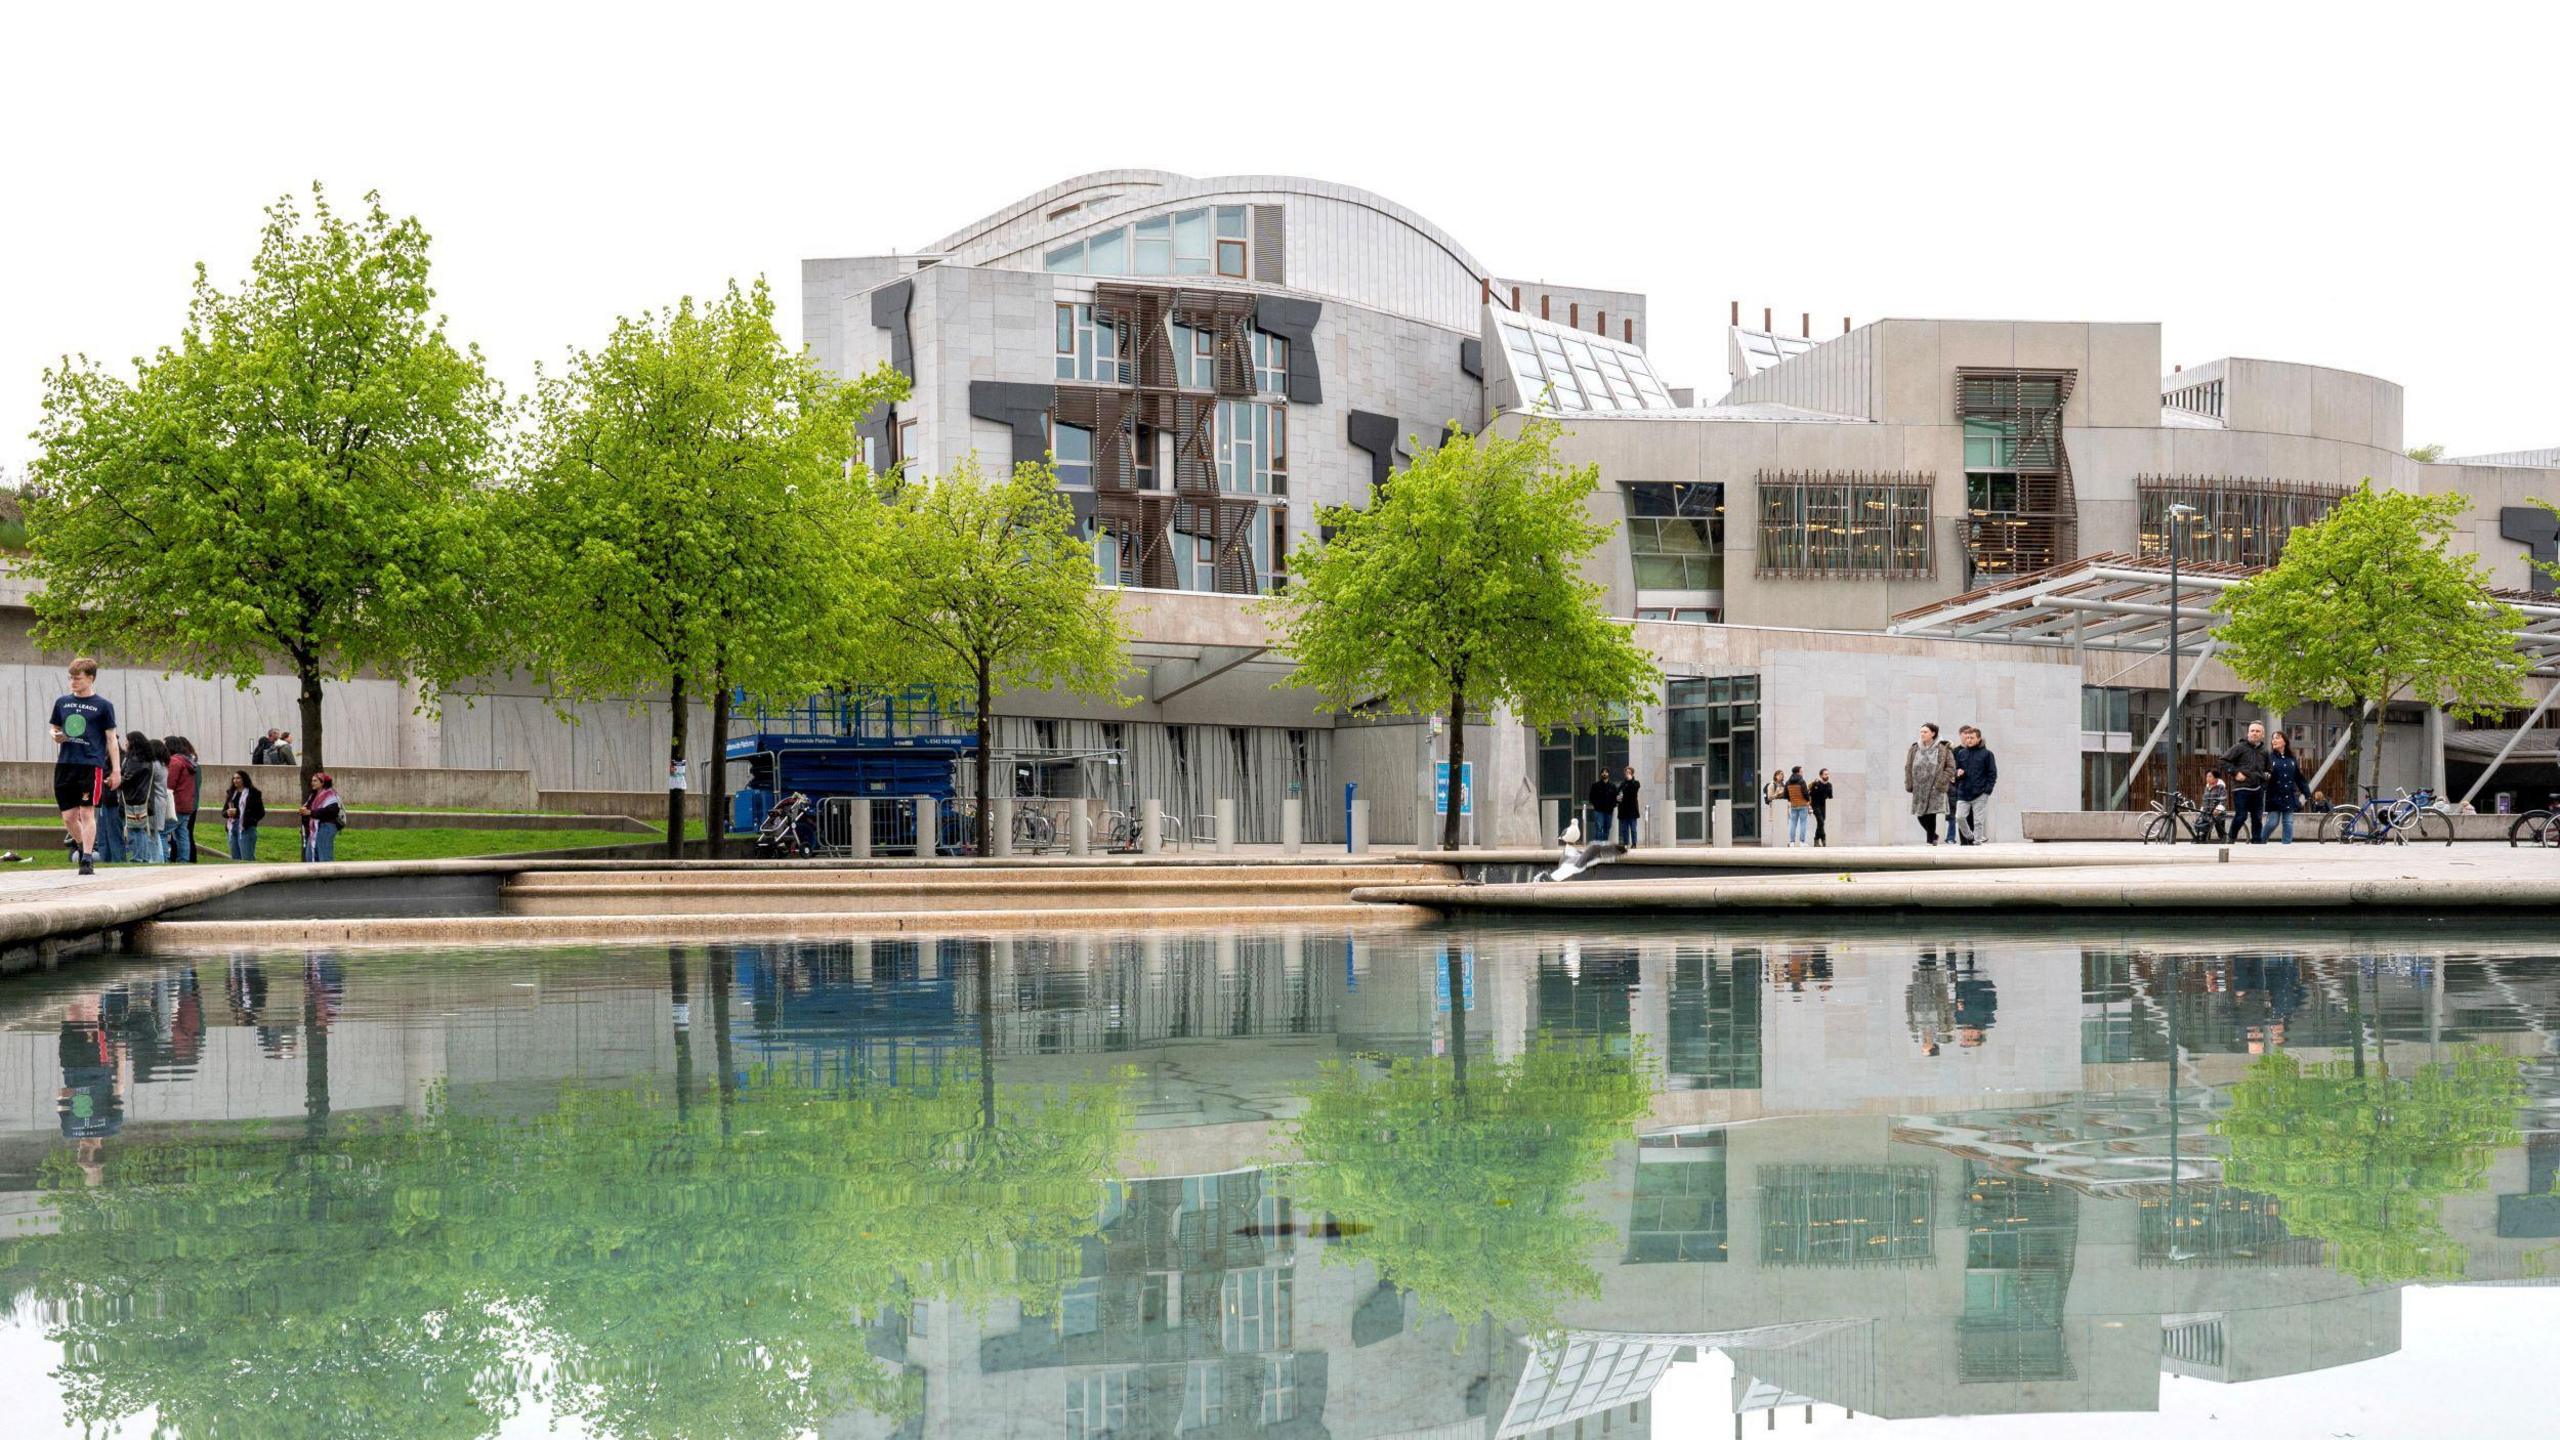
[[308, 752], [986, 1033], [986, 765], [680, 1015], [315, 1057], [717, 808], [2353, 764], [1453, 964], [725, 1083], [1451, 805], [679, 721], [2381, 714]]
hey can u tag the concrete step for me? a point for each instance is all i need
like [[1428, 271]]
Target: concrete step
[[23, 814], [1120, 889], [975, 877], [32, 837]]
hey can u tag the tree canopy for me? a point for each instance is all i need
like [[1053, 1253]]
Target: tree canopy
[[1460, 589], [2371, 602], [981, 587], [2361, 1158], [688, 517], [293, 478], [1464, 1183]]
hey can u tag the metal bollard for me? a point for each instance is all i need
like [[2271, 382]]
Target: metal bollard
[[1358, 839], [1000, 835], [859, 811], [927, 815], [1151, 828], [1551, 823], [1293, 826], [1079, 830], [1226, 813], [1426, 836], [1720, 824]]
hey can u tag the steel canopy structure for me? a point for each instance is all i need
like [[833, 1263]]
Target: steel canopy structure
[[2114, 601]]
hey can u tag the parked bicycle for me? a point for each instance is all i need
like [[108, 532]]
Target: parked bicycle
[[2174, 817], [2369, 822], [2537, 827]]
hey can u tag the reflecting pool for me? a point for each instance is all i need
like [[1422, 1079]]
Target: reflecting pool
[[1478, 1181]]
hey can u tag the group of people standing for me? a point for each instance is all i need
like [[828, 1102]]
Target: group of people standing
[[1619, 799], [127, 797], [2256, 777], [1951, 781], [1808, 804]]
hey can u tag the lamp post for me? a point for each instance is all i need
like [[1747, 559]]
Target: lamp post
[[2176, 518]]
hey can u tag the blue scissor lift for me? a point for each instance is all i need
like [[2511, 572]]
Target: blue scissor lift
[[889, 747]]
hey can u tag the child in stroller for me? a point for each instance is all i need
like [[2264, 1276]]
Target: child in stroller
[[787, 829]]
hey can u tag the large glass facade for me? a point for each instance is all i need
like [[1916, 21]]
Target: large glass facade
[[1675, 537], [1715, 754], [1582, 371]]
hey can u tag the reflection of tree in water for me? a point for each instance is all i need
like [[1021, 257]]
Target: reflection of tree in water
[[1468, 1177], [2362, 1158], [646, 1263]]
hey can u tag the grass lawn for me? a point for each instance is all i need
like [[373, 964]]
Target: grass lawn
[[283, 842]]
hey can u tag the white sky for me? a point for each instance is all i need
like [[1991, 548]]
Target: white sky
[[2368, 190]]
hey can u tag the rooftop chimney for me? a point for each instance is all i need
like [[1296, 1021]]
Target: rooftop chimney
[[1844, 329], [1737, 314], [1765, 323], [1808, 324]]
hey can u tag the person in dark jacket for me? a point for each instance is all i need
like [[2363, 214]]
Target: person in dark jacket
[[1603, 803], [1630, 808], [1977, 775], [1822, 793], [2215, 802], [2250, 770], [243, 807], [2288, 789], [1799, 795]]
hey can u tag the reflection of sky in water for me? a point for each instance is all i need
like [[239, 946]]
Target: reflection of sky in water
[[1250, 1184]]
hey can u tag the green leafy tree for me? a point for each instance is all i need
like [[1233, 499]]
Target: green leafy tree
[[2372, 602], [687, 515], [1463, 1183], [295, 478], [2361, 1158], [983, 587], [2425, 454], [1461, 590]]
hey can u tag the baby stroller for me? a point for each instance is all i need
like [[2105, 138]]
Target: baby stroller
[[786, 831]]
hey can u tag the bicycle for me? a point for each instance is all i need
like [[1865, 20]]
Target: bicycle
[[2366, 823], [2536, 827], [2424, 815], [1033, 829], [2172, 813]]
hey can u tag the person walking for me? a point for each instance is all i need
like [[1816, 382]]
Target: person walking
[[1630, 808], [1820, 793], [1977, 775], [282, 754], [87, 765], [242, 808], [2288, 789], [2250, 772], [1602, 801], [184, 782], [323, 816], [133, 809], [1928, 772], [259, 753], [1799, 795]]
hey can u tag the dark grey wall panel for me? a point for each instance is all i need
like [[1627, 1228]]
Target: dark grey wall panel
[[889, 305], [1294, 320], [1377, 435], [2536, 527], [1471, 357], [1024, 407]]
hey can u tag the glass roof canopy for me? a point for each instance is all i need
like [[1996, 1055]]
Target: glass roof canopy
[[1587, 371]]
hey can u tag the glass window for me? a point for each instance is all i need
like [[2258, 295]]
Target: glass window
[[1859, 525], [1068, 259], [1107, 253], [1231, 258], [1072, 445], [1191, 243], [1087, 351], [1152, 246], [1675, 536], [1098, 1405], [1279, 1389], [1270, 363], [1231, 219]]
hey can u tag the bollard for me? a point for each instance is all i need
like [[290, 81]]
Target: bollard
[[1079, 830], [1226, 813], [1426, 836], [859, 817], [1293, 826], [1151, 828], [927, 814], [1357, 842], [1551, 823], [1720, 823], [1000, 831]]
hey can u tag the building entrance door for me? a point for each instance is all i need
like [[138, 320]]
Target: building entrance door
[[1689, 825]]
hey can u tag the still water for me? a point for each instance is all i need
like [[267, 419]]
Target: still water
[[1469, 1181]]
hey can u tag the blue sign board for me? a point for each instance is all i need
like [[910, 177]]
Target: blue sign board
[[1466, 788]]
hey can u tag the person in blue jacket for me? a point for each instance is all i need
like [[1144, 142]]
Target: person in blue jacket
[[2288, 789]]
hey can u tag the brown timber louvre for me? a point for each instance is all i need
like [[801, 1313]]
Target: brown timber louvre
[[1152, 403], [1845, 524], [2239, 521], [1270, 258], [2043, 528]]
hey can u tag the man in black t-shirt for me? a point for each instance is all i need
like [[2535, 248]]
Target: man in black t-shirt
[[88, 763]]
